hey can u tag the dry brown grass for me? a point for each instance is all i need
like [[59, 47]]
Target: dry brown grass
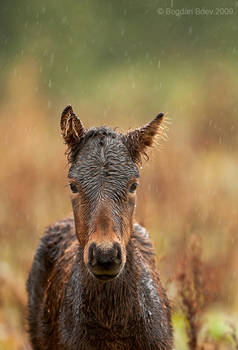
[[189, 187], [191, 289]]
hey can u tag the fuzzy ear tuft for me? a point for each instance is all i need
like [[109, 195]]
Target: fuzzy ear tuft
[[72, 129], [140, 139]]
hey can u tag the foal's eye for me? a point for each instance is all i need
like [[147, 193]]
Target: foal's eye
[[133, 187], [73, 188]]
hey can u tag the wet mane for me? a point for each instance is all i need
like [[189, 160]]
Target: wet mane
[[103, 131], [93, 132]]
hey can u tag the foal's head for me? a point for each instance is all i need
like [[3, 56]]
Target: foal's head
[[103, 177]]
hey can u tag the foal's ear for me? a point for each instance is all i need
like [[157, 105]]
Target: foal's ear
[[72, 129], [139, 139]]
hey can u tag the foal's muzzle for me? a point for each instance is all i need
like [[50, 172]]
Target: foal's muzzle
[[105, 260]]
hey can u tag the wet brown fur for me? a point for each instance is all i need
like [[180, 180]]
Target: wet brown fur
[[117, 324]]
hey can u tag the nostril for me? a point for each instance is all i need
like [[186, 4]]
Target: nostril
[[118, 254], [91, 253]]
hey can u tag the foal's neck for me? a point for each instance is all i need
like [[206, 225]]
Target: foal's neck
[[116, 302]]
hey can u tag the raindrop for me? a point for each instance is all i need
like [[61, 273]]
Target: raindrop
[[122, 32], [64, 19], [52, 58]]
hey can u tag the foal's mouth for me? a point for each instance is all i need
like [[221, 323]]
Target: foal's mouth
[[105, 277]]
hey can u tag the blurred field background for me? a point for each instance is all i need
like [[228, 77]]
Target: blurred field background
[[119, 64]]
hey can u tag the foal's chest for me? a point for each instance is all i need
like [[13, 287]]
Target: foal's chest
[[134, 336]]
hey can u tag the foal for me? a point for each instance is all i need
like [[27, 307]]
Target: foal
[[93, 283]]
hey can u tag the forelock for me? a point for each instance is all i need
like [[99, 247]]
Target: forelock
[[90, 133]]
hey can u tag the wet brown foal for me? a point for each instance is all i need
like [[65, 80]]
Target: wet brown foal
[[93, 283]]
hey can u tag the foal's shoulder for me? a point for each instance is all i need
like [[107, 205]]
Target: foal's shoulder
[[142, 241], [140, 231], [52, 246], [60, 231], [56, 239]]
